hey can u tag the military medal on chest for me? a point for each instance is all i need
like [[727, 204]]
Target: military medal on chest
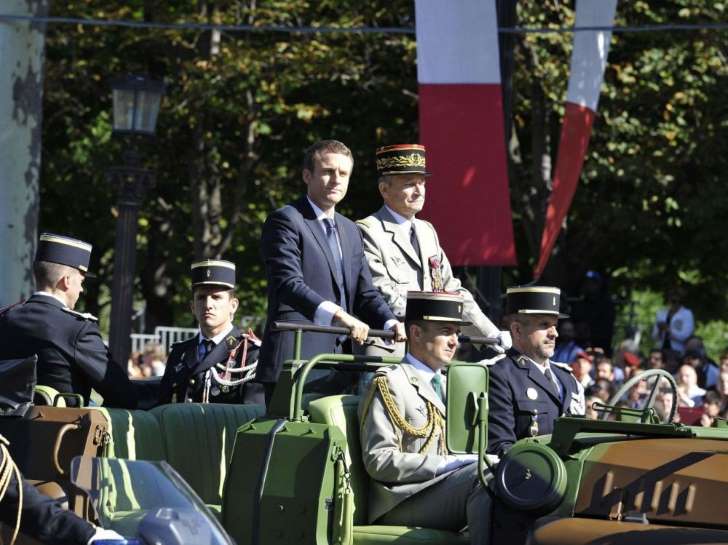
[[436, 274]]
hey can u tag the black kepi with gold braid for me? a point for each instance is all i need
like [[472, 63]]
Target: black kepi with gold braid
[[534, 300], [430, 306], [213, 272], [402, 159], [64, 251]]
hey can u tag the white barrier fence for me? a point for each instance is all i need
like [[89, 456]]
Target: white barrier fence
[[164, 335]]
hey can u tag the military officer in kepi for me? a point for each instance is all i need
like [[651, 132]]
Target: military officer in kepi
[[218, 364], [416, 481], [527, 390], [72, 357], [404, 253]]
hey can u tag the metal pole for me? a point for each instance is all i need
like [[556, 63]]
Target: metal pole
[[133, 182]]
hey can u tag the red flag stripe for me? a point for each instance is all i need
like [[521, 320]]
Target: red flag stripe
[[467, 197], [573, 146]]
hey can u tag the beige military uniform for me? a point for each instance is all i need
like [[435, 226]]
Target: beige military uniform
[[400, 464], [406, 488], [396, 269]]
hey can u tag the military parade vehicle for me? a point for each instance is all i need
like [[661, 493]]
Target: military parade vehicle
[[197, 473]]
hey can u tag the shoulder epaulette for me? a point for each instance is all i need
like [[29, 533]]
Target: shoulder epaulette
[[492, 361], [83, 315], [382, 371], [564, 366], [367, 222]]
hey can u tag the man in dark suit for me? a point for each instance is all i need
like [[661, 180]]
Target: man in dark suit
[[316, 268], [72, 357], [527, 390], [218, 364]]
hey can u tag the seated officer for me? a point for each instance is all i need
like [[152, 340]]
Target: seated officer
[[72, 358], [218, 364], [416, 482], [527, 390]]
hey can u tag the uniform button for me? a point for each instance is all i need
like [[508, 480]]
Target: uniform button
[[192, 382]]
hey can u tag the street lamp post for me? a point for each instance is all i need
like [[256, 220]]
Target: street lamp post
[[136, 101]]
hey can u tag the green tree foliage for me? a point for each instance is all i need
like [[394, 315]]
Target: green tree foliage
[[239, 110], [650, 203], [241, 107]]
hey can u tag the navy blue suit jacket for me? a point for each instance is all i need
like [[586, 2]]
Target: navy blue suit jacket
[[300, 271], [72, 358], [517, 393]]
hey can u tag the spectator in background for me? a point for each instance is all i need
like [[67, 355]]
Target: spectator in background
[[133, 368], [722, 388], [566, 347], [582, 368], [593, 314], [656, 359], [632, 364], [153, 360], [604, 368], [674, 324], [723, 361], [711, 408], [663, 404], [591, 412], [707, 372], [689, 394], [602, 389]]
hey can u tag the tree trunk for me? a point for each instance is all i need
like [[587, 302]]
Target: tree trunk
[[21, 106]]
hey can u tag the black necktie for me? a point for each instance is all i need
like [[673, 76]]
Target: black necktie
[[413, 240], [205, 348], [339, 268], [550, 377]]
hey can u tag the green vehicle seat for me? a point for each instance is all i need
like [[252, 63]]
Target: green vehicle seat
[[195, 439], [341, 411]]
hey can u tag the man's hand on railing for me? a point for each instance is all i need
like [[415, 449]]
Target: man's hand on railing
[[358, 330]]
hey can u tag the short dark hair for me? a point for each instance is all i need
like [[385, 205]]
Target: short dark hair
[[47, 274], [711, 396], [324, 146]]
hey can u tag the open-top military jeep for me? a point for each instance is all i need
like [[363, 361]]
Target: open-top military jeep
[[295, 474]]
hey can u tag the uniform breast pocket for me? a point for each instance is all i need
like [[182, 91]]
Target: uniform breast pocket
[[398, 269], [417, 416], [531, 406]]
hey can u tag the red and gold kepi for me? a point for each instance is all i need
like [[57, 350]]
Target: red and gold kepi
[[402, 159]]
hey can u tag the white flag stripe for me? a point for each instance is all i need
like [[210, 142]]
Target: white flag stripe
[[589, 57], [457, 41]]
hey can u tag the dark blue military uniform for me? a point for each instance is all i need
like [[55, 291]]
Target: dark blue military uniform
[[42, 517], [72, 358], [185, 375], [523, 403]]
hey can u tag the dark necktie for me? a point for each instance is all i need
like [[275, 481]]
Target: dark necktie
[[413, 240], [333, 243], [550, 377], [206, 347]]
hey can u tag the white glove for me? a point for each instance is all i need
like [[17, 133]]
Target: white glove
[[504, 342], [104, 534], [454, 461]]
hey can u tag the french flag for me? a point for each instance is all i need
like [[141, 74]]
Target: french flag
[[588, 61], [461, 125]]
